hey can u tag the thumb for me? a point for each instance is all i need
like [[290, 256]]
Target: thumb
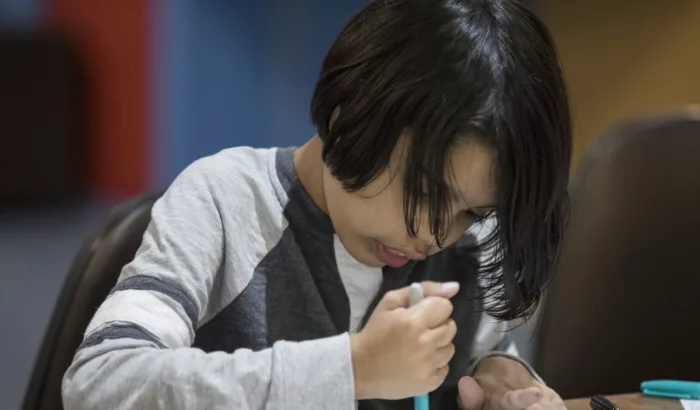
[[471, 395], [399, 298], [438, 289], [523, 398]]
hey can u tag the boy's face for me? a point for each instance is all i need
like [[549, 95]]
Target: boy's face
[[370, 222]]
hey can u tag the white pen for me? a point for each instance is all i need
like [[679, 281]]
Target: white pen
[[415, 296]]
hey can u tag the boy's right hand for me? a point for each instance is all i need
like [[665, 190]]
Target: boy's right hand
[[403, 351]]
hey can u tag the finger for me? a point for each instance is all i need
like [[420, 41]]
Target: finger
[[442, 335], [523, 398], [471, 395], [440, 376], [444, 355], [399, 298], [432, 311], [551, 400], [440, 289], [536, 406]]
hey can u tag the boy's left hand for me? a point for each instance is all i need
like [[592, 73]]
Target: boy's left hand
[[500, 383]]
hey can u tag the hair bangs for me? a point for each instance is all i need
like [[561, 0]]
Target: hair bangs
[[426, 177], [438, 72]]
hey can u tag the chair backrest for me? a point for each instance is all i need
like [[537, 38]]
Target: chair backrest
[[627, 292], [90, 279]]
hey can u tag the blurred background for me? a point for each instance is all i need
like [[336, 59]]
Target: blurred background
[[102, 100]]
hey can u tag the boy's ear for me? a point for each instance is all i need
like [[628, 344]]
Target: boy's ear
[[334, 116]]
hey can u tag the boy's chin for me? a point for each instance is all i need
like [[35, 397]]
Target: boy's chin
[[371, 262], [369, 259], [363, 251]]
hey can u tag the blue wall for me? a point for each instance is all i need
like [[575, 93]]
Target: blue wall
[[230, 73], [21, 13]]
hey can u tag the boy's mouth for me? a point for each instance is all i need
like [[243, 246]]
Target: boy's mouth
[[392, 257]]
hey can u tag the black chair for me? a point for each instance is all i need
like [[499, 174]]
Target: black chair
[[626, 298], [90, 279]]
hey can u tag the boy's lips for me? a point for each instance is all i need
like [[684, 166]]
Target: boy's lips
[[395, 258]]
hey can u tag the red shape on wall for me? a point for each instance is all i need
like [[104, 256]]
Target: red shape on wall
[[112, 37]]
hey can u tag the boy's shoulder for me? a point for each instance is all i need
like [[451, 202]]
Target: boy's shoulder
[[232, 167], [234, 174], [235, 163]]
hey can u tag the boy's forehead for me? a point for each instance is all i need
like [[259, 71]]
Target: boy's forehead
[[470, 171], [472, 174]]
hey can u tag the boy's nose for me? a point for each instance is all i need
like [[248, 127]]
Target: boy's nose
[[424, 246]]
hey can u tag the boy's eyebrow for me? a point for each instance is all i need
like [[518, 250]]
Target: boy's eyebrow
[[454, 194], [487, 207]]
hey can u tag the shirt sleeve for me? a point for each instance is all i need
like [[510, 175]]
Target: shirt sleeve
[[137, 351], [492, 337]]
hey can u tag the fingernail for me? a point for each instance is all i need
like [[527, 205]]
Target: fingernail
[[450, 286]]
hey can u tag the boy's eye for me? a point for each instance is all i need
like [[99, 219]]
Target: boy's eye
[[478, 218], [473, 215]]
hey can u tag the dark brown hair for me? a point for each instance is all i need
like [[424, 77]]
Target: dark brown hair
[[448, 70]]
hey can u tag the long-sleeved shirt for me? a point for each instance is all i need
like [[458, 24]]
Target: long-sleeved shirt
[[241, 296]]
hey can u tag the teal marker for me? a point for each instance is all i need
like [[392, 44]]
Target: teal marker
[[421, 402], [675, 389], [416, 295]]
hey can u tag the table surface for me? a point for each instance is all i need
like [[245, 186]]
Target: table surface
[[636, 401]]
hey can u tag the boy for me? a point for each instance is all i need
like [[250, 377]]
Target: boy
[[277, 278]]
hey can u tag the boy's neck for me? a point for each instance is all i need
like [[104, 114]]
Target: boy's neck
[[309, 167]]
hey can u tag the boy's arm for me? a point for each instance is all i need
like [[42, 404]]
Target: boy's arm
[[134, 373], [136, 353], [493, 340]]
